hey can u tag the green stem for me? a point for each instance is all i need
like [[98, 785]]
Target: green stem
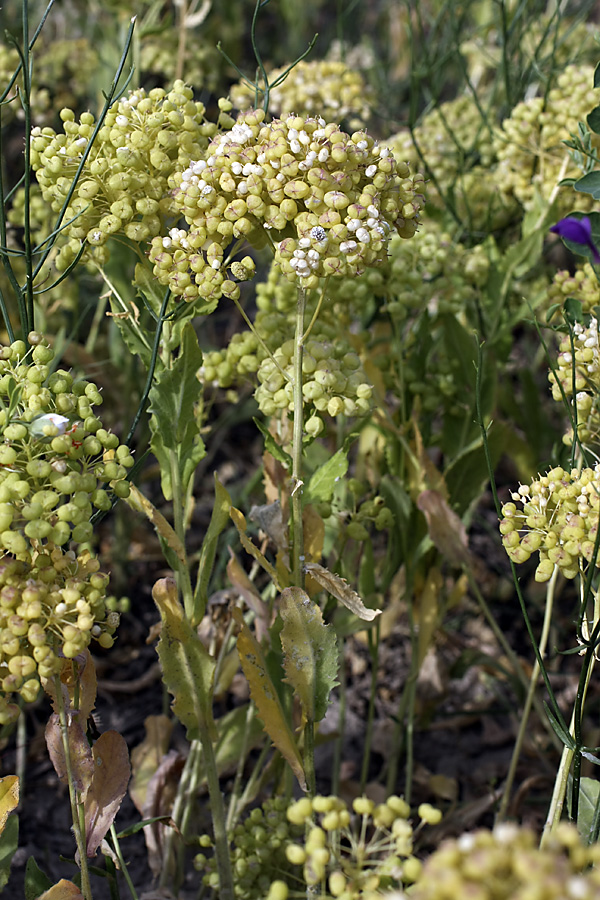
[[373, 649], [529, 699], [218, 816], [76, 807], [123, 865], [309, 757], [298, 431]]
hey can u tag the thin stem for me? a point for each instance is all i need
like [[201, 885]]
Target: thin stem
[[218, 816], [373, 650], [297, 435], [309, 757], [79, 833], [528, 700], [122, 863]]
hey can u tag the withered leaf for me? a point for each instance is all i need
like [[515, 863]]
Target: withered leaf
[[82, 764], [107, 789], [339, 588]]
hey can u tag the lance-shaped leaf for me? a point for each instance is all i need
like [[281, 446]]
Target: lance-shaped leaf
[[310, 652], [187, 667], [141, 504], [264, 695], [446, 529], [9, 797], [108, 787], [239, 521], [173, 423], [339, 588], [147, 756], [218, 521]]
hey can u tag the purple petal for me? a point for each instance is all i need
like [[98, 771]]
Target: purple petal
[[577, 230]]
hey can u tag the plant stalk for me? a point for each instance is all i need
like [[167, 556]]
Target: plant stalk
[[78, 831]]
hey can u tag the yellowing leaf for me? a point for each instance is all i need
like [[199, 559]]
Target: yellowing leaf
[[240, 523], [446, 529], [9, 797], [141, 504], [427, 612], [147, 756], [341, 590], [187, 667], [62, 890], [310, 652], [264, 695]]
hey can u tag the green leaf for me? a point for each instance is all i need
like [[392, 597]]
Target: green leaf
[[36, 880], [265, 696], [322, 484], [187, 667], [597, 76], [137, 340], [310, 652], [588, 184], [593, 120], [272, 446], [589, 797], [9, 840], [173, 422], [564, 735], [218, 522], [467, 475]]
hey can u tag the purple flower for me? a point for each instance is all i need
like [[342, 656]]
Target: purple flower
[[579, 231]]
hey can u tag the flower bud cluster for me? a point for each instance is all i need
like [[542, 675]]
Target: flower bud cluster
[[579, 371], [327, 201], [450, 138], [50, 608], [64, 71], [582, 285], [356, 853], [64, 296], [9, 60], [507, 863], [326, 88], [555, 516], [531, 153], [258, 851], [204, 64], [56, 459], [372, 512], [124, 186], [333, 382]]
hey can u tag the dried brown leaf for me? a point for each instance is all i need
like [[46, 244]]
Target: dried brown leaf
[[339, 588], [80, 753], [108, 787]]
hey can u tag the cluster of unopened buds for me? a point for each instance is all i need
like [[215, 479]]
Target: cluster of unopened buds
[[327, 88], [581, 285], [57, 462], [51, 607], [124, 186], [578, 370], [556, 516], [530, 144], [326, 201], [507, 864], [343, 853], [360, 852]]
